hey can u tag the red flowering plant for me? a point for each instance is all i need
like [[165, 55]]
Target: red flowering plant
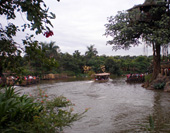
[[48, 33]]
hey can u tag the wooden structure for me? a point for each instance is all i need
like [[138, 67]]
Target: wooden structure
[[101, 77], [54, 76], [165, 68], [141, 12]]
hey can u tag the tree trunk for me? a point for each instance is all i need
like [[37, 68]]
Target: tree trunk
[[156, 60], [1, 69], [1, 74]]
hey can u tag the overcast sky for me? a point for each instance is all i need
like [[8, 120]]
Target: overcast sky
[[80, 23]]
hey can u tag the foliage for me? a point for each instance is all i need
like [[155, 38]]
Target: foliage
[[15, 108], [126, 31], [38, 19], [148, 78], [112, 66], [74, 65], [20, 113], [36, 11], [152, 25], [38, 59], [159, 85], [90, 73], [60, 101], [91, 52], [51, 50], [47, 58]]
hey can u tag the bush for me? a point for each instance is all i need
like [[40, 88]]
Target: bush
[[69, 73], [159, 85], [15, 108], [148, 78], [90, 73], [29, 114]]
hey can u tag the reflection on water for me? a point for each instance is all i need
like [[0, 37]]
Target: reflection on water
[[115, 106]]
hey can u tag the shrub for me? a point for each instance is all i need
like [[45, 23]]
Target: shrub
[[148, 78], [27, 114], [159, 85], [90, 73]]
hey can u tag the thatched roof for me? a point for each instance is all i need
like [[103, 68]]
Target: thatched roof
[[147, 3]]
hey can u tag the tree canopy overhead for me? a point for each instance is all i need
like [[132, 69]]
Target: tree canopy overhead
[[151, 24], [36, 11], [38, 19]]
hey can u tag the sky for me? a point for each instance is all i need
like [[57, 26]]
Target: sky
[[80, 23]]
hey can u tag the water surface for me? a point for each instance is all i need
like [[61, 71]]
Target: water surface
[[115, 106]]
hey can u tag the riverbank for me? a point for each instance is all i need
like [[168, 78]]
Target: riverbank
[[28, 80], [161, 82]]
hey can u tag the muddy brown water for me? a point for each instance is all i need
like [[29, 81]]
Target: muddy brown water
[[115, 106]]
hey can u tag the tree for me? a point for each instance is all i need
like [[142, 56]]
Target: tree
[[112, 66], [38, 61], [9, 55], [38, 17], [91, 52], [79, 61], [52, 50], [152, 24], [69, 64], [142, 64], [90, 55]]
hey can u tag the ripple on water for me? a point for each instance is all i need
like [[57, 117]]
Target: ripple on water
[[115, 106]]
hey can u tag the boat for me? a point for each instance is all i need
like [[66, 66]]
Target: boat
[[101, 77], [135, 78]]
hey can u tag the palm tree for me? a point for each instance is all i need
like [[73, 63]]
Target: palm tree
[[52, 50], [91, 52]]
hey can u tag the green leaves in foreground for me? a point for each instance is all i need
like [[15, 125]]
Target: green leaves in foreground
[[15, 108], [159, 85], [20, 113]]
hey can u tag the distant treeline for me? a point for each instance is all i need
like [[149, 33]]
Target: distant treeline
[[81, 65]]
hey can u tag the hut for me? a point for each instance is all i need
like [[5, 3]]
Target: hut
[[141, 12]]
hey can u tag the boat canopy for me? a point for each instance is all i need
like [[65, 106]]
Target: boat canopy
[[102, 74]]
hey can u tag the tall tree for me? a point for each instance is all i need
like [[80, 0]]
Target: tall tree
[[149, 22], [38, 61], [90, 55], [91, 52], [112, 66], [52, 50]]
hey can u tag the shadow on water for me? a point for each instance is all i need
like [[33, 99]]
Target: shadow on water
[[115, 106]]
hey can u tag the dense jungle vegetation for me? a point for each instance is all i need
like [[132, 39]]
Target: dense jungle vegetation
[[78, 64]]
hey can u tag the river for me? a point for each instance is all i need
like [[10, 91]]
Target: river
[[115, 106]]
